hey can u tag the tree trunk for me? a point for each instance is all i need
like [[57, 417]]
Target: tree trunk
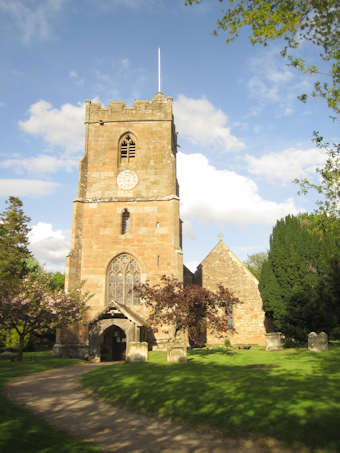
[[21, 346]]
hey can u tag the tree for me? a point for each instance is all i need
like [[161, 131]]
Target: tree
[[299, 283], [57, 280], [187, 307], [294, 21], [255, 262], [14, 252], [36, 308], [328, 207]]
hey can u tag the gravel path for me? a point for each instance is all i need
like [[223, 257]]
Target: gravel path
[[57, 396]]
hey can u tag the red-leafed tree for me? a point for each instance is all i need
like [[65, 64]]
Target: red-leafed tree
[[36, 308], [186, 308]]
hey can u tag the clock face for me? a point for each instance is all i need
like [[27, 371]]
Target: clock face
[[127, 179]]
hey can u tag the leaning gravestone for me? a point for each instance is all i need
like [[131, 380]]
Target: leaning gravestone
[[273, 341], [137, 351], [177, 353], [318, 343]]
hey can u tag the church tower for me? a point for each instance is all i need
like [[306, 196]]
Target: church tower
[[126, 225]]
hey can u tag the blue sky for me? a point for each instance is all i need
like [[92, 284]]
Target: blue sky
[[243, 134]]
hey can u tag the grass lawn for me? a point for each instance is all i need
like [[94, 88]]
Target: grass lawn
[[20, 430], [291, 395]]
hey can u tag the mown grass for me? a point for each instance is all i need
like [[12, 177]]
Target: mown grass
[[291, 395], [20, 430]]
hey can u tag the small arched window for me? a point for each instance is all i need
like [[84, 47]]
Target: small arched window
[[125, 221], [127, 148]]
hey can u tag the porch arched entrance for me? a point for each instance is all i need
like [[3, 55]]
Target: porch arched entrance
[[113, 347]]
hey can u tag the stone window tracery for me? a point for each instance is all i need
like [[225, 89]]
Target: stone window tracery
[[122, 277], [127, 148]]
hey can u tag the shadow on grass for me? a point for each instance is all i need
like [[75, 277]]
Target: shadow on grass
[[293, 396], [22, 431]]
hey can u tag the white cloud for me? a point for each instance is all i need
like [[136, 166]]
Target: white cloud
[[50, 246], [188, 230], [33, 21], [201, 123], [272, 81], [286, 165], [58, 127], [125, 63], [26, 187], [212, 195], [73, 75], [40, 164]]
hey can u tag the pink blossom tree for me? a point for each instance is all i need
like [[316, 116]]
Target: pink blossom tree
[[35, 308]]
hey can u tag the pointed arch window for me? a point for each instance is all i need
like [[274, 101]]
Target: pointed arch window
[[122, 277], [127, 148], [125, 221]]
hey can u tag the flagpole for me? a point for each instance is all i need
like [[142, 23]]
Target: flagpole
[[159, 70]]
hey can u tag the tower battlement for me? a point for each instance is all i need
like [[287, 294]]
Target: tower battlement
[[158, 109]]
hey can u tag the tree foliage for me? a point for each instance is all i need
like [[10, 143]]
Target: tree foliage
[[186, 307], [31, 300], [328, 207], [255, 262], [57, 280], [294, 21], [36, 308], [299, 283], [14, 252]]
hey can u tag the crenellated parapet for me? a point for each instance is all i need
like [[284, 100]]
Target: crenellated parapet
[[158, 109]]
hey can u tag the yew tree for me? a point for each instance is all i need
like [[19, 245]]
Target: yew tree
[[187, 307], [299, 282]]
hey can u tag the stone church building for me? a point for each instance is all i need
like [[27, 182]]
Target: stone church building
[[127, 229]]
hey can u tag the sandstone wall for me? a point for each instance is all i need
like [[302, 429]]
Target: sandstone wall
[[222, 266], [154, 233]]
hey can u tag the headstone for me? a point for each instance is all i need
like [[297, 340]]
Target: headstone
[[137, 351], [317, 343], [273, 341], [7, 355], [177, 352]]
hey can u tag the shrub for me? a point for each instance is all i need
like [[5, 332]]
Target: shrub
[[227, 343]]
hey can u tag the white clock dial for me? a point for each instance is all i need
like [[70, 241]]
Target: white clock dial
[[127, 179]]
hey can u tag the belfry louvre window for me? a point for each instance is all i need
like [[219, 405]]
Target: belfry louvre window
[[122, 277], [125, 221], [127, 148]]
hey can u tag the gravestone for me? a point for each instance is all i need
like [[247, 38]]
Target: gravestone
[[318, 343], [177, 352], [7, 355], [273, 341], [137, 351]]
